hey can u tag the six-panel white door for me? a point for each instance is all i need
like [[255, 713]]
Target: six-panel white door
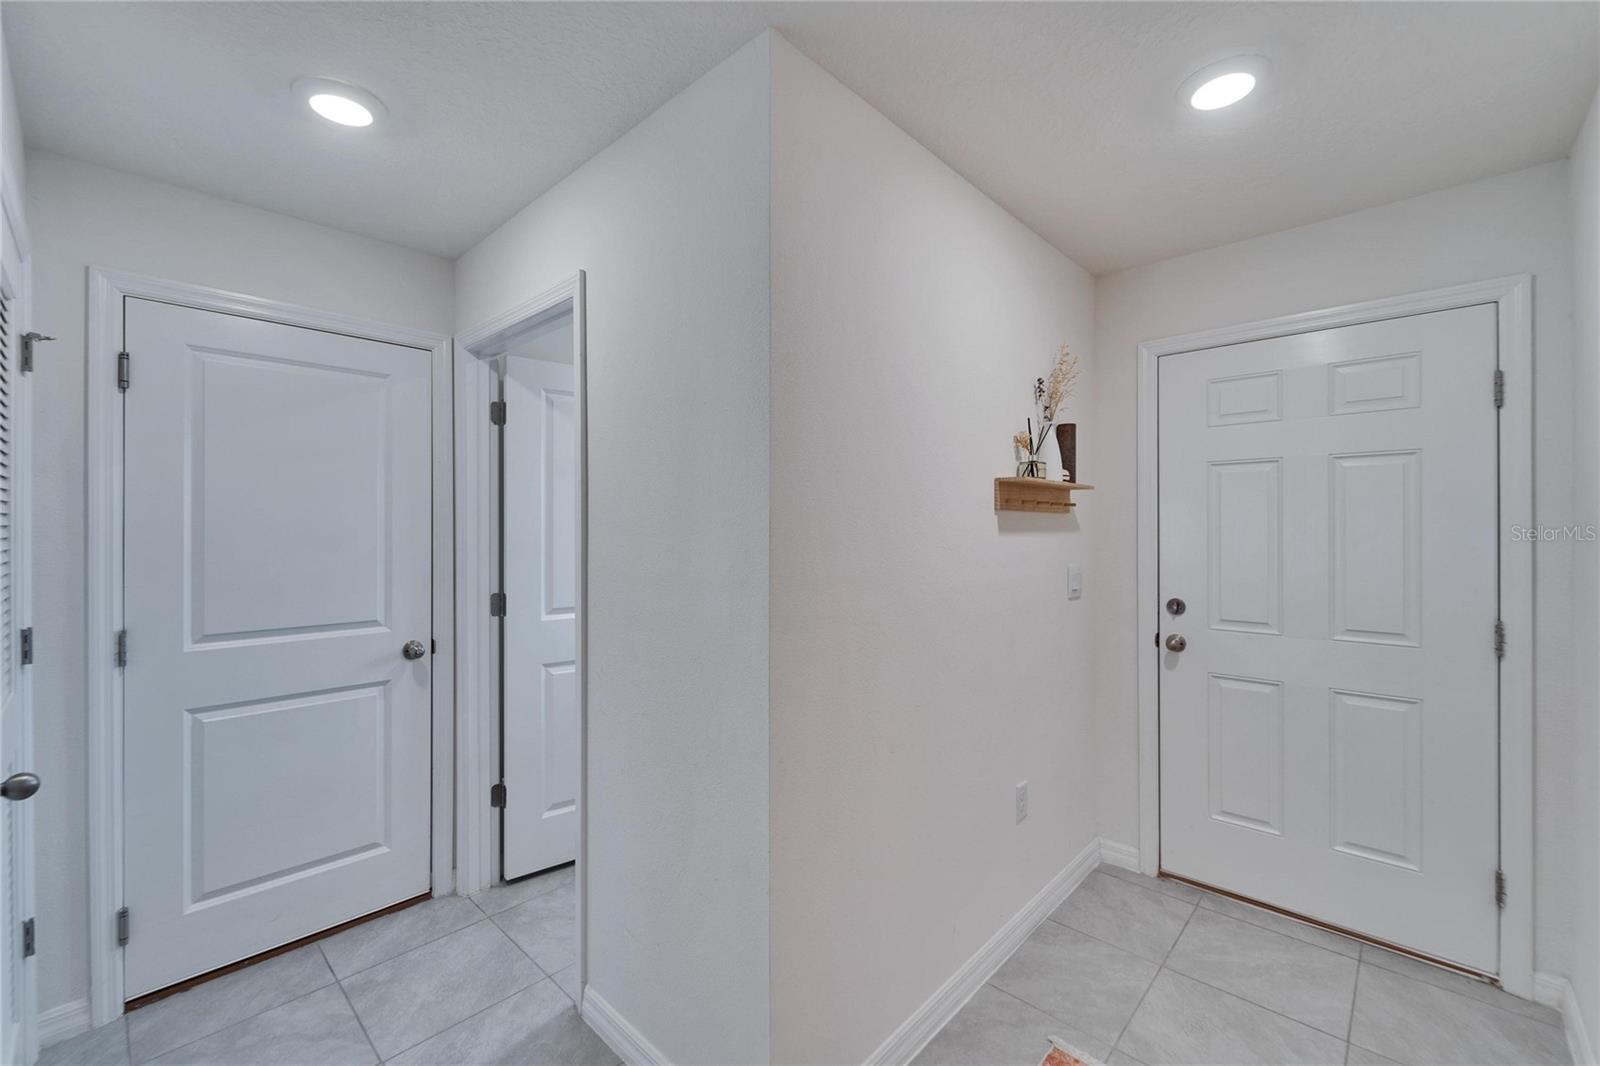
[[1328, 735], [539, 735], [277, 558]]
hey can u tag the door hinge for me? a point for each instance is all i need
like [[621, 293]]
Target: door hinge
[[497, 412], [497, 605], [120, 655], [1499, 388], [1500, 889], [497, 795], [122, 927], [1499, 639], [124, 370], [25, 639], [29, 947], [28, 339]]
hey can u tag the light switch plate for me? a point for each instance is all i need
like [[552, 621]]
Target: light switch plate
[[1074, 581]]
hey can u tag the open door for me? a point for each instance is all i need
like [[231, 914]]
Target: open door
[[18, 1005], [540, 721]]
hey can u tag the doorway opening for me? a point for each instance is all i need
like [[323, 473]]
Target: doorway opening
[[520, 568]]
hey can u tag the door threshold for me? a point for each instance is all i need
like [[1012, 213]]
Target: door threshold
[[1351, 934], [282, 949]]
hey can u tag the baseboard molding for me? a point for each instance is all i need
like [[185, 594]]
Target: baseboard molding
[[913, 1035], [1555, 991], [63, 1022], [619, 1033], [1124, 856]]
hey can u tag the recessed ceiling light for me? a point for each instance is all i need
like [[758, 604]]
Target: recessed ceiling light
[[339, 101], [1220, 91], [347, 112], [1223, 84]]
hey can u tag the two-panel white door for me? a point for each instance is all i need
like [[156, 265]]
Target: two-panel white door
[[277, 559], [1329, 731], [540, 721]]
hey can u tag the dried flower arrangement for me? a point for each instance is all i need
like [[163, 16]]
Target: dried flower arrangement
[[1049, 393]]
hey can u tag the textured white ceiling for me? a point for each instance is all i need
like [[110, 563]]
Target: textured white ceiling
[[1065, 113]]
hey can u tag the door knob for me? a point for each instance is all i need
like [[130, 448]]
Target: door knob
[[1175, 642], [414, 649], [19, 786]]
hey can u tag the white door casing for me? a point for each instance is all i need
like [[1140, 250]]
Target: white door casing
[[540, 722], [1327, 512], [278, 485]]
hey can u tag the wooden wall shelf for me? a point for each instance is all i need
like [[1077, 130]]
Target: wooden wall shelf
[[1035, 494]]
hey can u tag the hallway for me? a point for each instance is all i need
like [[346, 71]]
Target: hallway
[[489, 978]]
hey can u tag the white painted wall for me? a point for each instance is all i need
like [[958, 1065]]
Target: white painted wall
[[925, 657], [10, 124], [1512, 224], [1585, 841], [81, 215], [670, 224]]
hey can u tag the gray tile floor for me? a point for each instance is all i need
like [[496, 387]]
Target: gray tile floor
[[1135, 971], [1140, 972], [490, 979]]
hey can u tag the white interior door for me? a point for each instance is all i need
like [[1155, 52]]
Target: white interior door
[[277, 558], [539, 732], [1329, 734], [17, 997]]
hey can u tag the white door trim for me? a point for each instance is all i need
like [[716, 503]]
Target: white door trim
[[477, 763], [107, 288], [1513, 297]]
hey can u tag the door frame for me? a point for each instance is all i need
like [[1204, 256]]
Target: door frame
[[478, 754], [16, 278], [1513, 298], [104, 462]]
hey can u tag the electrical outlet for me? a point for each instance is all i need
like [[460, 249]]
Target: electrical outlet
[[1022, 801]]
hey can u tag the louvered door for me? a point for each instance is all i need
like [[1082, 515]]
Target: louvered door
[[15, 1001]]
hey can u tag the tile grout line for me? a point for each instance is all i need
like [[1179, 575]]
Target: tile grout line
[[1253, 1003], [525, 952], [1558, 1024], [1073, 1026], [377, 1056], [225, 1028], [463, 1021], [407, 951], [1160, 966], [1247, 999], [1350, 1025]]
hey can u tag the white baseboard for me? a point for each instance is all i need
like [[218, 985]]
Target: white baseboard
[[1555, 991], [1124, 856], [924, 1024], [619, 1033], [63, 1022]]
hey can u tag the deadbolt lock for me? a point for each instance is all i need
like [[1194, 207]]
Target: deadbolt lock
[[1176, 606]]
